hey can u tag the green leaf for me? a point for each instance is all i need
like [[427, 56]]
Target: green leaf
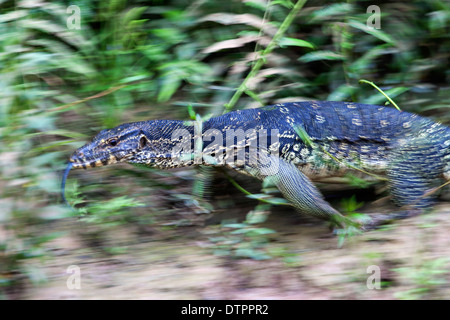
[[134, 78], [301, 132], [285, 3], [261, 231], [362, 64], [286, 42], [268, 199], [168, 88], [251, 253], [257, 5], [435, 106], [372, 31], [235, 225], [13, 15], [379, 99], [133, 14], [321, 55], [192, 114], [342, 93], [332, 10]]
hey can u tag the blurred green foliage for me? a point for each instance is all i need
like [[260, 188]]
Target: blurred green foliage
[[60, 86], [424, 279]]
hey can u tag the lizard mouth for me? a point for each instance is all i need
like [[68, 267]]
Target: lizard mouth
[[79, 161]]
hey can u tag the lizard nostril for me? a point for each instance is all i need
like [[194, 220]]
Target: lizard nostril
[[76, 157]]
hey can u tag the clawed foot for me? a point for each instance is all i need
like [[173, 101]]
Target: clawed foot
[[379, 219]]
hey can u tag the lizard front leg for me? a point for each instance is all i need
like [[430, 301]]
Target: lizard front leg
[[296, 188]]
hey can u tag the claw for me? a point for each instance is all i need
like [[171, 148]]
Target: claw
[[379, 220]]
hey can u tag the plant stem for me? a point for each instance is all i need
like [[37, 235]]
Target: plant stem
[[95, 96], [382, 92], [262, 58], [248, 193]]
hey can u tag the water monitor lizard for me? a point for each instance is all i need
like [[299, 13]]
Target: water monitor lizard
[[293, 144]]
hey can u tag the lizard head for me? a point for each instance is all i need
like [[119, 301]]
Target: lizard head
[[148, 142], [109, 146]]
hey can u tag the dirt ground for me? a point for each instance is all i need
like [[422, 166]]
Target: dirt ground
[[412, 256]]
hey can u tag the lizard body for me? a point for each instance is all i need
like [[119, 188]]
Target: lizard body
[[411, 152]]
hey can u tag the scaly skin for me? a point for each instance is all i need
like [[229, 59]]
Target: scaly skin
[[412, 152]]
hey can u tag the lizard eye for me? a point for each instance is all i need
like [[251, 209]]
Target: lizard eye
[[113, 142], [142, 142]]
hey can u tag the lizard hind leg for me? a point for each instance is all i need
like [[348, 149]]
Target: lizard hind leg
[[415, 169], [447, 167]]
